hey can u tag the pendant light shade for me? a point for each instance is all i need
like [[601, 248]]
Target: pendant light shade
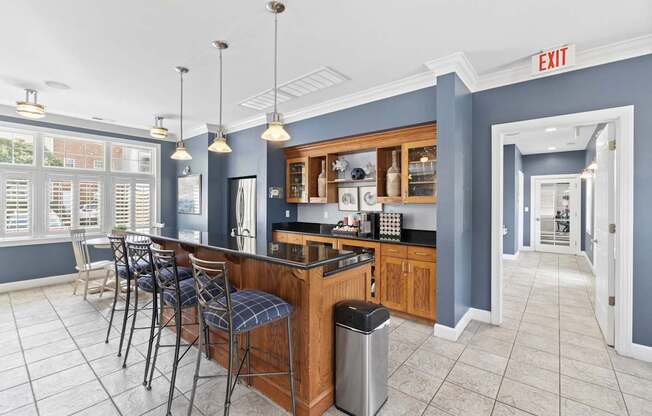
[[30, 108], [219, 144], [181, 153], [158, 131], [275, 131]]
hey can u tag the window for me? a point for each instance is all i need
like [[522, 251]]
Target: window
[[90, 204], [73, 153], [59, 205], [122, 205], [131, 159], [52, 181], [17, 206], [16, 149], [143, 205]]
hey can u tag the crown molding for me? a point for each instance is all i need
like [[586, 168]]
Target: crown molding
[[458, 63], [613, 52], [202, 129], [391, 89], [108, 129]]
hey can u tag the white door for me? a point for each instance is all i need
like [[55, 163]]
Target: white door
[[603, 248], [556, 213], [521, 185]]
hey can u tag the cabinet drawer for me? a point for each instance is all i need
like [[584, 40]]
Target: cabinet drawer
[[421, 253], [394, 250], [292, 238]]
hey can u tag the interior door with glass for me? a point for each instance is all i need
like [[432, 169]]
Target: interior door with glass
[[556, 214]]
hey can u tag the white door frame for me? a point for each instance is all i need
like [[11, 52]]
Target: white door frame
[[521, 204], [623, 119], [534, 233]]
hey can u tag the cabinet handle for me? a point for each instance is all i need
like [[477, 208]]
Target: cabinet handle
[[420, 253], [403, 266]]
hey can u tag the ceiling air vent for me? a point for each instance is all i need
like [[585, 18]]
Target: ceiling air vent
[[317, 80]]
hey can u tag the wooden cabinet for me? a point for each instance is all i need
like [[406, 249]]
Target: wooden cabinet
[[374, 290], [312, 239], [283, 237], [394, 283], [421, 289], [419, 172], [296, 179]]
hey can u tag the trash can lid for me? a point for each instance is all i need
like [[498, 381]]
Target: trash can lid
[[360, 315]]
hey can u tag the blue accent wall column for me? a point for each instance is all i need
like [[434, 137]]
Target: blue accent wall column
[[197, 147], [454, 195]]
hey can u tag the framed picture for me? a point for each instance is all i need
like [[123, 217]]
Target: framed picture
[[189, 194], [368, 201], [347, 198]]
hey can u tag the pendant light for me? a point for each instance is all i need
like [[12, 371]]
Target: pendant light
[[275, 131], [219, 144], [158, 131], [30, 108], [181, 153]]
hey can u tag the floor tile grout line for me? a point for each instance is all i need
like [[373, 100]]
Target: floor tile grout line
[[87, 363], [20, 342]]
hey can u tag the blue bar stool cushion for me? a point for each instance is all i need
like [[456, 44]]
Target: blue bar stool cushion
[[188, 293], [251, 308]]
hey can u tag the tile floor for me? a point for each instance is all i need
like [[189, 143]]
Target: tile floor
[[547, 359]]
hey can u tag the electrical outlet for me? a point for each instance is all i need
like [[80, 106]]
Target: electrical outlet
[[325, 214], [287, 213], [526, 209]]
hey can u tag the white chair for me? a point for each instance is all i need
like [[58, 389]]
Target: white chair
[[84, 265]]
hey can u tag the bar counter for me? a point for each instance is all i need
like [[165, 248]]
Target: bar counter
[[311, 278]]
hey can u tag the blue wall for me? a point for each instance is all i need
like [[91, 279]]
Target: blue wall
[[560, 163], [512, 164], [43, 260], [454, 215], [616, 84], [197, 147]]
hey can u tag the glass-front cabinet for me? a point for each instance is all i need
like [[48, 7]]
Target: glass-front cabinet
[[419, 171], [297, 179]]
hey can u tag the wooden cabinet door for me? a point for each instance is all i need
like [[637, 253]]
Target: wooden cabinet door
[[419, 172], [421, 289], [296, 180], [394, 283]]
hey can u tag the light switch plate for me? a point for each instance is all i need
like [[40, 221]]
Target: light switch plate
[[287, 213]]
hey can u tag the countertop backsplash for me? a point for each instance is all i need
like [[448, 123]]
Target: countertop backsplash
[[415, 216]]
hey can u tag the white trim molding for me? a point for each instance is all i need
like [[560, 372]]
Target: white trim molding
[[41, 282], [453, 334], [623, 119], [641, 352], [511, 256]]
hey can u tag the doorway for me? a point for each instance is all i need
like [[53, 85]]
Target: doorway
[[622, 120], [556, 215]]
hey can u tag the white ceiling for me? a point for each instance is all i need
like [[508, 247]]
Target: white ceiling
[[561, 139], [118, 56]]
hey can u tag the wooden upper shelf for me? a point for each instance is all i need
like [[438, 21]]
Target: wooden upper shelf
[[416, 149]]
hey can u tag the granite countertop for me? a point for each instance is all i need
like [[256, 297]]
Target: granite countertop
[[293, 255], [409, 237]]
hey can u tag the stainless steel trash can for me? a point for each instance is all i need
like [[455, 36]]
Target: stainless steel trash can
[[361, 357]]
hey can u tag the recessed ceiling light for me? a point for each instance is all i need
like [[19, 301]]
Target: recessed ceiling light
[[57, 85], [552, 148], [551, 129]]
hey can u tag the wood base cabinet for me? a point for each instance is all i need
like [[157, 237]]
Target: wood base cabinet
[[394, 283], [421, 289]]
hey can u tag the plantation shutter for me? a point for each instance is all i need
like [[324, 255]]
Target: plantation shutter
[[122, 205], [143, 205], [59, 205], [90, 204], [17, 206]]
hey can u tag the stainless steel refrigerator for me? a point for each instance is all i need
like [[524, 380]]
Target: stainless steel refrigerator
[[242, 211]]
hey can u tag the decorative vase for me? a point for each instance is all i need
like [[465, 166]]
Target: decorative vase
[[394, 177], [321, 181]]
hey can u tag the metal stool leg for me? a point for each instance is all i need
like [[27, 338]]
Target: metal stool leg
[[125, 316], [290, 366], [158, 342], [229, 375], [150, 342], [133, 324], [115, 301], [202, 325], [207, 336], [175, 363]]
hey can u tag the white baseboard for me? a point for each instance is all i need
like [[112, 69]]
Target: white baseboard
[[511, 256], [588, 260], [32, 283], [640, 352], [526, 248], [453, 334]]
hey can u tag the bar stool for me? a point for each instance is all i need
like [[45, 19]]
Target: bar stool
[[236, 313], [126, 273], [176, 290]]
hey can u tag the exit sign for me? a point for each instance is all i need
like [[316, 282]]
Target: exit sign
[[553, 59]]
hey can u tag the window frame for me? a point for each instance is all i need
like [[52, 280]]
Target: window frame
[[40, 175], [104, 143]]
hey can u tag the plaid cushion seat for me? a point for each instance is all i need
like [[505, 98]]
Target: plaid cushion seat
[[140, 267], [166, 274], [188, 294], [146, 283], [251, 308]]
